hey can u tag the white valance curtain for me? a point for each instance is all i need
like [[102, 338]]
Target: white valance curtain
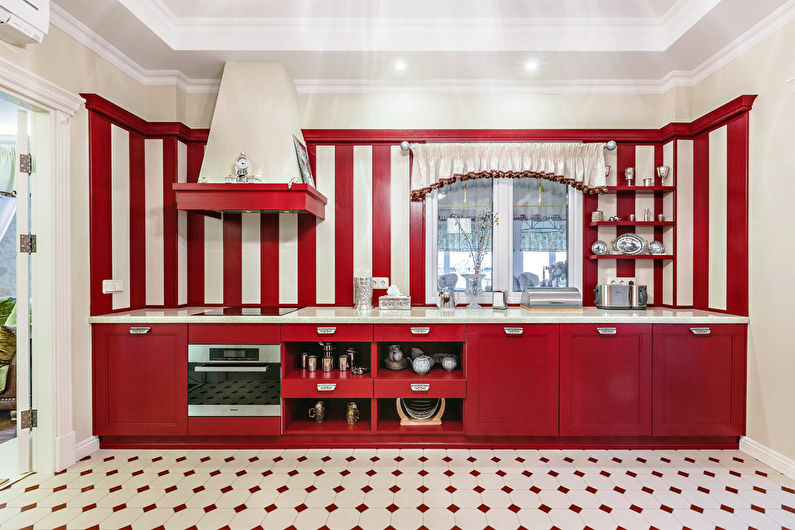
[[581, 166]]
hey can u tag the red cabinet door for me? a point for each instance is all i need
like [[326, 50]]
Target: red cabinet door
[[699, 380], [140, 380], [512, 380], [605, 380]]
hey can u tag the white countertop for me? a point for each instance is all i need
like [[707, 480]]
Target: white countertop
[[427, 315]]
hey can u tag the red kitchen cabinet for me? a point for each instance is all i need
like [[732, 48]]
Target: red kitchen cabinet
[[140, 380], [699, 380], [605, 380], [512, 380]]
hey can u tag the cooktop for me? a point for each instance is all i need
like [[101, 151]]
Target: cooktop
[[246, 311]]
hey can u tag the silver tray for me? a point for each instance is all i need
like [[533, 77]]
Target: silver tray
[[599, 248], [656, 247], [630, 244]]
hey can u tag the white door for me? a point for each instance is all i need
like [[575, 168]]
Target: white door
[[15, 321]]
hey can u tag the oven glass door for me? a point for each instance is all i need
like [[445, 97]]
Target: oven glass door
[[234, 389]]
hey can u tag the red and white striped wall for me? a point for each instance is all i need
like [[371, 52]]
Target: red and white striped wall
[[169, 258]]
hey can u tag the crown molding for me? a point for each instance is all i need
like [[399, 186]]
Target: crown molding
[[88, 38], [415, 34], [676, 78]]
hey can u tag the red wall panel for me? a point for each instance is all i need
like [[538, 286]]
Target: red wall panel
[[737, 218], [100, 211], [137, 222], [382, 230], [343, 228], [233, 259], [701, 221]]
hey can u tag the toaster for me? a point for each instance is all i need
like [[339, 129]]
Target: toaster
[[620, 296]]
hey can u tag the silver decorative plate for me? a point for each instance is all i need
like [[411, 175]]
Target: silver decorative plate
[[631, 244], [599, 247], [656, 247]]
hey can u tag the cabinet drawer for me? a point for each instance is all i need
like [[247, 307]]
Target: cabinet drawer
[[327, 333], [416, 388], [428, 333], [334, 388], [233, 334], [243, 426]]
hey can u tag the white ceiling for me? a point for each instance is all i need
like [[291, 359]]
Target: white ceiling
[[352, 45]]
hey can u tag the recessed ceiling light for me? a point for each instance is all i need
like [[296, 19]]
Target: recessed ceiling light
[[400, 65], [530, 65]]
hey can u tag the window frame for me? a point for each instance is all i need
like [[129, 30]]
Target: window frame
[[502, 244]]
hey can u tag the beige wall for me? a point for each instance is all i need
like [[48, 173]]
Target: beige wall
[[485, 111], [764, 70]]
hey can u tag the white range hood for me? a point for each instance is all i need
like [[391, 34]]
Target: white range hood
[[256, 113]]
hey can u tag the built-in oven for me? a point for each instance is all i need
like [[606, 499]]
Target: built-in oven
[[234, 380]]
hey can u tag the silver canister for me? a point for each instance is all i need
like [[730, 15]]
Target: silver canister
[[363, 293], [328, 364], [342, 361], [311, 363], [351, 353]]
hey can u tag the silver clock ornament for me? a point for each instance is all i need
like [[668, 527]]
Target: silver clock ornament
[[242, 170]]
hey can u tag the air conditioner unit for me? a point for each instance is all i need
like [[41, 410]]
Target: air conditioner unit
[[24, 21]]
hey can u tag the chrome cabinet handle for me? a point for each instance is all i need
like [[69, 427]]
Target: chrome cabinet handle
[[606, 331], [700, 331], [139, 330], [326, 387], [326, 331], [420, 387], [211, 368], [514, 331], [420, 331]]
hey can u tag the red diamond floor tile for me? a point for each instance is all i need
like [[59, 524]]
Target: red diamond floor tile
[[658, 486]]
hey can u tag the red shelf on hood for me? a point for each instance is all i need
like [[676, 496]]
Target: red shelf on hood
[[275, 198]]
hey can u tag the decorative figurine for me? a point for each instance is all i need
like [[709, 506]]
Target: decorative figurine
[[629, 173], [318, 412], [352, 413]]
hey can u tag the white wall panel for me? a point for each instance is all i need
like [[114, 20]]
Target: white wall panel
[[153, 190], [251, 257], [288, 258], [362, 211], [325, 232], [684, 222], [182, 229], [717, 218], [399, 205], [213, 260], [120, 213], [644, 168], [669, 207]]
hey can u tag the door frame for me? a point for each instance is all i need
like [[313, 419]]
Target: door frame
[[54, 440]]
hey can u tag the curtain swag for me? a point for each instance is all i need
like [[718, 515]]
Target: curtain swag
[[581, 166]]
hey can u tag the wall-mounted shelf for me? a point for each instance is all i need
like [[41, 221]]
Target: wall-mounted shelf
[[629, 256], [212, 199], [640, 189], [632, 223]]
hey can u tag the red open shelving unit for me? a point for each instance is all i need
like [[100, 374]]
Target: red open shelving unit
[[213, 198], [629, 256]]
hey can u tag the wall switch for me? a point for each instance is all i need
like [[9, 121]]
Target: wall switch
[[620, 280], [380, 283], [112, 286]]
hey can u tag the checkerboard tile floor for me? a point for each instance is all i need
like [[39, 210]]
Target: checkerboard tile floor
[[405, 488]]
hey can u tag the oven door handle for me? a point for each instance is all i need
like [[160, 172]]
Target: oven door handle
[[211, 368]]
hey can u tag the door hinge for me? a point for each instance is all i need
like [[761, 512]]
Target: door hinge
[[29, 418], [25, 163], [27, 243]]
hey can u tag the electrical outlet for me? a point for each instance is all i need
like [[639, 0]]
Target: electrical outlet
[[107, 286], [620, 280], [380, 283]]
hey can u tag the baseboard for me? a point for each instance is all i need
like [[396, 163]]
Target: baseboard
[[64, 451], [86, 447], [781, 463]]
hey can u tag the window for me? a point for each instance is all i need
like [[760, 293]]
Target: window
[[535, 240]]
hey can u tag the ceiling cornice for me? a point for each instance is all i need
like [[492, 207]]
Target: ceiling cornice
[[760, 31], [420, 34], [88, 38]]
